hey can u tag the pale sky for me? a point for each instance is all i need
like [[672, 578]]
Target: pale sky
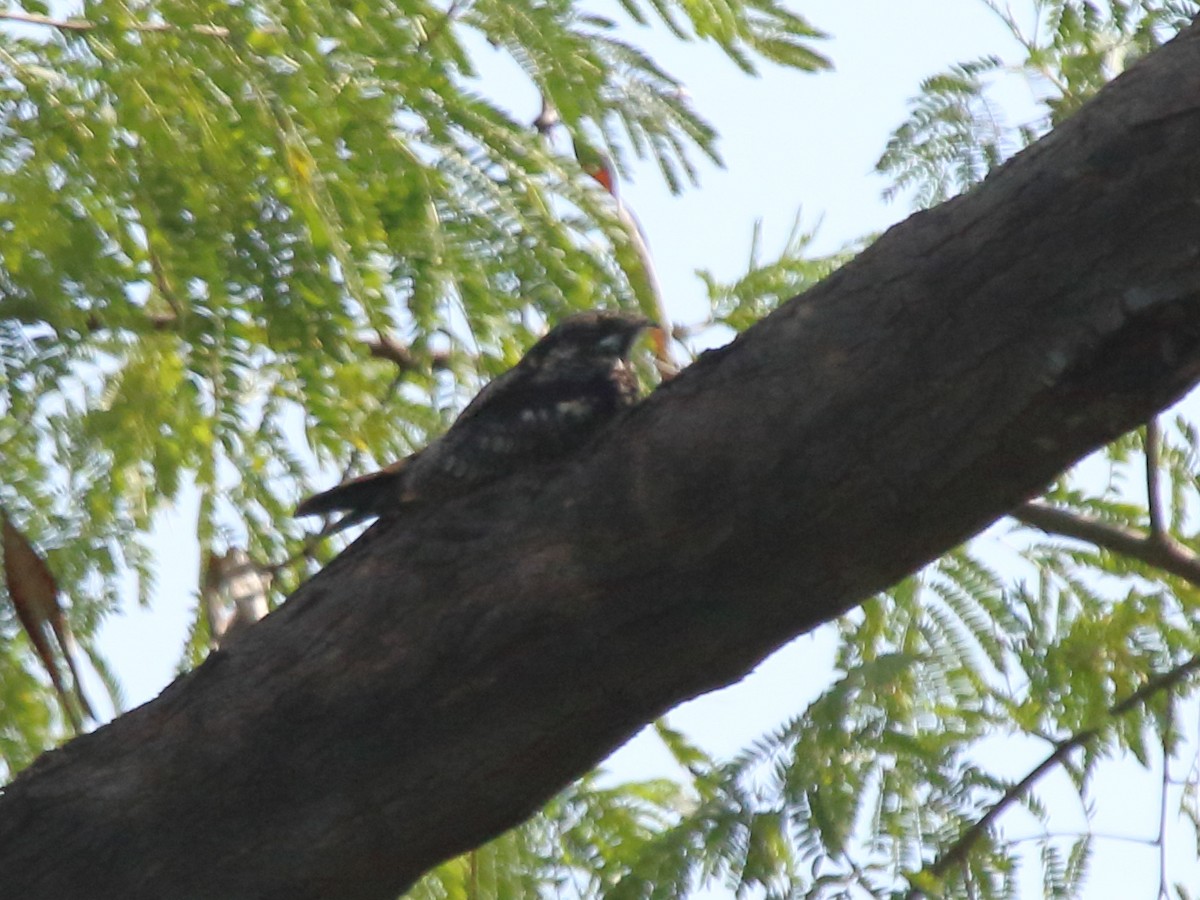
[[791, 141]]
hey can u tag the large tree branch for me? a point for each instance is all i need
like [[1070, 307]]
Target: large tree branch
[[454, 668]]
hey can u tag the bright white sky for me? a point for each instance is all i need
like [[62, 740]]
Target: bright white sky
[[790, 141]]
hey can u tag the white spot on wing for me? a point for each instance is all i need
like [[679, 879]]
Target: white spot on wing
[[575, 409]]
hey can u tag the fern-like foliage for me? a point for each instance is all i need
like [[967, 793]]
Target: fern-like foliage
[[955, 132], [209, 210], [768, 283], [953, 137]]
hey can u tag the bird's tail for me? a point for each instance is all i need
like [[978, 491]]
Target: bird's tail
[[361, 498]]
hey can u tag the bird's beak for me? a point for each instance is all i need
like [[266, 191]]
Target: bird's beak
[[658, 338], [660, 341]]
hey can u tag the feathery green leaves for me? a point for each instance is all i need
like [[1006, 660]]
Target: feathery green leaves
[[211, 211]]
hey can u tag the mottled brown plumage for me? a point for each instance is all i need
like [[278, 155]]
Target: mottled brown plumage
[[569, 384]]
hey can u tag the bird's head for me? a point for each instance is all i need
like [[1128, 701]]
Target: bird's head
[[598, 336]]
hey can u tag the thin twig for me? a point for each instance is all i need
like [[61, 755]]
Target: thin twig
[[667, 367], [1089, 833], [35, 19], [664, 362], [1163, 552], [683, 333], [387, 347], [163, 283], [1163, 893], [305, 551], [435, 32], [156, 321], [957, 854], [357, 453], [383, 347], [1158, 528], [83, 25]]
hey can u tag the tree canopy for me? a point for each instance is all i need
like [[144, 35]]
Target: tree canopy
[[238, 238], [240, 241]]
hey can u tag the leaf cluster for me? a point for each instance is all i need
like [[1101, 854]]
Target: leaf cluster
[[956, 132]]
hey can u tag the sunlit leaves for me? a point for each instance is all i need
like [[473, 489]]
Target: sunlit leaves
[[953, 137], [955, 132], [26, 723], [583, 843], [885, 768], [743, 30], [768, 283]]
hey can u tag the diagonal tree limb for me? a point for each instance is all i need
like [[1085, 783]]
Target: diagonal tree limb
[[457, 665]]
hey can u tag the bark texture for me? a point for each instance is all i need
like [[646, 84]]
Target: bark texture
[[450, 671]]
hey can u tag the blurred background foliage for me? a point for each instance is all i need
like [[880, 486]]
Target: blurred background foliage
[[242, 244]]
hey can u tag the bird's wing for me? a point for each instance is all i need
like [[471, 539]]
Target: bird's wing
[[522, 420], [498, 386]]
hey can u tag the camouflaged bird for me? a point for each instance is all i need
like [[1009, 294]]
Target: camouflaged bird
[[570, 383]]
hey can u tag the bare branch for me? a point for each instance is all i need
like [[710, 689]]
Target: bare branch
[[1165, 553], [1164, 788], [164, 283], [155, 321], [1158, 528], [36, 19], [387, 347], [83, 25]]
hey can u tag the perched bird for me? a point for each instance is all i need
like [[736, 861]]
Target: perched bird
[[569, 384], [635, 257]]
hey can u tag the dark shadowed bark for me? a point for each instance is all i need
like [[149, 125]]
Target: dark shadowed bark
[[450, 671]]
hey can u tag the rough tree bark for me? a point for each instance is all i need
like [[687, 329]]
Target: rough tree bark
[[450, 671]]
